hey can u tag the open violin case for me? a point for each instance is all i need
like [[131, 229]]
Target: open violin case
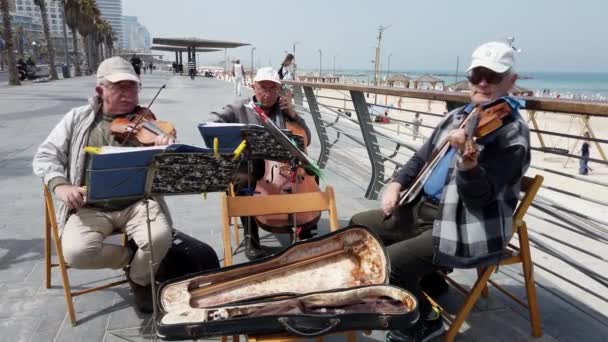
[[337, 282]]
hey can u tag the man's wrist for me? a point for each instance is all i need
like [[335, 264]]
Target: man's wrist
[[57, 181]]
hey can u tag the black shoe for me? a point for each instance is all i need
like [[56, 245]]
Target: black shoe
[[424, 330], [253, 251], [305, 234], [434, 284], [143, 297]]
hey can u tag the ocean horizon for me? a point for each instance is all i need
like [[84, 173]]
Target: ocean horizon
[[564, 83]]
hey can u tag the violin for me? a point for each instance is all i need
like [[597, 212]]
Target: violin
[[141, 128], [478, 124]]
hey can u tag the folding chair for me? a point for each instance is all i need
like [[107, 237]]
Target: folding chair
[[516, 255], [237, 206], [51, 231]]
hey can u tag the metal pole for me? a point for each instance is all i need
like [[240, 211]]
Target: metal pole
[[388, 68], [320, 63], [371, 144], [252, 49], [225, 63], [65, 39], [294, 59], [320, 127], [334, 72], [457, 65]]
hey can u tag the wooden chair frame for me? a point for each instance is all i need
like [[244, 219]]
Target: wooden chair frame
[[237, 206], [51, 231], [234, 207], [521, 254]]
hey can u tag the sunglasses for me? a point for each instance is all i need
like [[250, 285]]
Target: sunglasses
[[490, 76]]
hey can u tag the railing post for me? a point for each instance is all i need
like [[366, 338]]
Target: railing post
[[321, 131], [371, 144], [298, 97]]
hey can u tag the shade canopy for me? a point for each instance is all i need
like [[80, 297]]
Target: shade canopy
[[179, 49], [464, 86], [196, 42]]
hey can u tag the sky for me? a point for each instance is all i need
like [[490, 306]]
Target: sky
[[557, 35]]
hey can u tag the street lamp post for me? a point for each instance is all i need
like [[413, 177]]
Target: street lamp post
[[388, 68], [34, 49], [294, 59], [320, 64], [252, 49], [334, 72]]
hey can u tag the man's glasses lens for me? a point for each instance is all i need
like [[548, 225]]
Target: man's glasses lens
[[483, 74]]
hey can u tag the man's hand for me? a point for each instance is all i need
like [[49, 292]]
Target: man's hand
[[163, 140], [457, 139], [286, 105], [390, 198], [71, 195]]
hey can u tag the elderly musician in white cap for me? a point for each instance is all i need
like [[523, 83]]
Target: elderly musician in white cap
[[462, 215], [62, 162], [267, 92]]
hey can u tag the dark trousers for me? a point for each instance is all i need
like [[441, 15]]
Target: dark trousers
[[408, 237]]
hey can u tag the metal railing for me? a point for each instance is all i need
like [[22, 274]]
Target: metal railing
[[368, 154]]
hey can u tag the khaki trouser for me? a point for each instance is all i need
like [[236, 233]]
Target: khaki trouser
[[85, 231]]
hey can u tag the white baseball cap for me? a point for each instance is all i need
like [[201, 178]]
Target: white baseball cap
[[116, 69], [496, 56], [267, 74]]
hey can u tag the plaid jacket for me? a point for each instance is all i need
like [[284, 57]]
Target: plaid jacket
[[471, 231]]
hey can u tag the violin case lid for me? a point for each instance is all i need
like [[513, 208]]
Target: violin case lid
[[332, 283]]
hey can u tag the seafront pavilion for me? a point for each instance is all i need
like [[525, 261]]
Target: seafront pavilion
[[179, 51], [571, 291], [195, 43]]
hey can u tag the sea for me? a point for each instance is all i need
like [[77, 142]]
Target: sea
[[573, 85]]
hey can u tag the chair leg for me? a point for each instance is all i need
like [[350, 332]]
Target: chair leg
[[226, 233], [67, 290], [526, 261], [466, 308], [235, 223], [47, 250], [351, 336], [484, 292]]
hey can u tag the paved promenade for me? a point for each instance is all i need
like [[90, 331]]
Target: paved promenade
[[30, 312]]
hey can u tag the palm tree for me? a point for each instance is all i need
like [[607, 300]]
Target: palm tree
[[72, 17], [20, 38], [101, 29], [110, 39], [90, 14], [7, 36], [47, 36]]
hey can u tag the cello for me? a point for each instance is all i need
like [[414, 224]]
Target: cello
[[286, 177]]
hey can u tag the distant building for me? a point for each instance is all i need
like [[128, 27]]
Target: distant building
[[137, 37], [27, 9], [26, 14], [111, 10]]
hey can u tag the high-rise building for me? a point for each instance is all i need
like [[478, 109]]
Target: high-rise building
[[27, 18], [137, 36], [111, 10], [27, 8]]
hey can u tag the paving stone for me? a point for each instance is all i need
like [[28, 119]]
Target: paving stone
[[18, 329]]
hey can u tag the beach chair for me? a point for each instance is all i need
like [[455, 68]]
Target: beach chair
[[51, 231], [516, 255]]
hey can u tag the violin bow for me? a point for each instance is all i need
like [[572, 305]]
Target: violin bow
[[141, 118], [284, 140]]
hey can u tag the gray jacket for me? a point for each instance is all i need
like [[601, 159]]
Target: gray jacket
[[62, 152], [238, 112]]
